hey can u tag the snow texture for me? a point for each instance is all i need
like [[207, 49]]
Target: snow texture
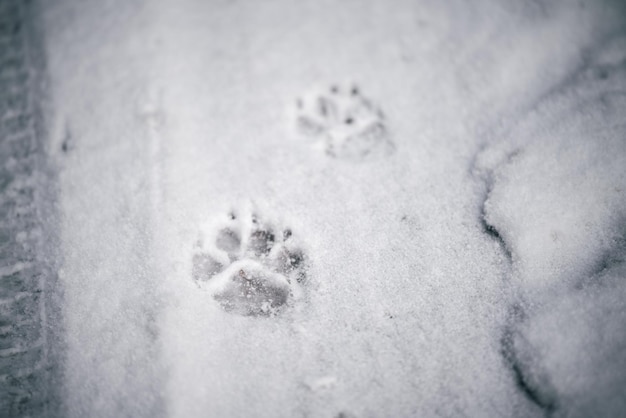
[[456, 247], [27, 310], [557, 199]]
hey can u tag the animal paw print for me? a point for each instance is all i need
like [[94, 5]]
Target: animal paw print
[[250, 266], [344, 122]]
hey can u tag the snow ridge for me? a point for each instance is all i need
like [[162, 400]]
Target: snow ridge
[[557, 204]]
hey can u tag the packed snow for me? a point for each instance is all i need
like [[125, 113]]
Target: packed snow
[[457, 210]]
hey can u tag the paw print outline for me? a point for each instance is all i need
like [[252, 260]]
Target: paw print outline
[[343, 122], [251, 266]]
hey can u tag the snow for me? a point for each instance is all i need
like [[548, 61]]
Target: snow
[[476, 269], [557, 200]]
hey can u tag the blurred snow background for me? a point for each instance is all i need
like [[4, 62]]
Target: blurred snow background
[[477, 270]]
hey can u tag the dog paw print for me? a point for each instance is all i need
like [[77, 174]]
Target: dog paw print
[[250, 266], [343, 122]]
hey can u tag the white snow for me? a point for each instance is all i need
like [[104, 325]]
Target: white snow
[[177, 110], [558, 200]]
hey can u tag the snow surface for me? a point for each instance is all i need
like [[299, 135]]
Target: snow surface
[[558, 199], [477, 270]]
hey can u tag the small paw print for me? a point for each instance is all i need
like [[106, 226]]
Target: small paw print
[[344, 122], [250, 266]]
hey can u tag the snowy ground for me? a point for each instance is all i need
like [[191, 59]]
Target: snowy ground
[[472, 264]]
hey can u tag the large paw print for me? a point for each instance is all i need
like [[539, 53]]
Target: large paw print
[[344, 122], [250, 266]]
